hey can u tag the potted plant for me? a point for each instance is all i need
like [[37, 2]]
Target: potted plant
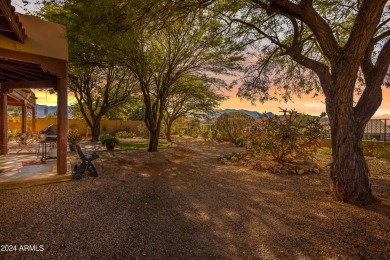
[[73, 138], [110, 142]]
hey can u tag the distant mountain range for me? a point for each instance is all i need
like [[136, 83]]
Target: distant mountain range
[[43, 111], [250, 113]]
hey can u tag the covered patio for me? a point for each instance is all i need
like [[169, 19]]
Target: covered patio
[[33, 55]]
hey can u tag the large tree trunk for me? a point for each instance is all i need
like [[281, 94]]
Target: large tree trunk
[[349, 172], [96, 130], [153, 141], [168, 134], [153, 122]]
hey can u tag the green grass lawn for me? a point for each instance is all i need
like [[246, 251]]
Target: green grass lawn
[[141, 145], [325, 150]]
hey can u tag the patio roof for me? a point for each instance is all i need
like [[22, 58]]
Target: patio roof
[[33, 54], [10, 26], [20, 74], [18, 96]]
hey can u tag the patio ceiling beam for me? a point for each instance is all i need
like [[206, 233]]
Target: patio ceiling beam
[[52, 83], [18, 104], [7, 77], [16, 99], [46, 64], [20, 74], [5, 28], [20, 64]]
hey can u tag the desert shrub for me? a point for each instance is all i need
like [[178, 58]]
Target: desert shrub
[[379, 150], [215, 134], [232, 156], [194, 127], [239, 142], [163, 130], [182, 132], [123, 134], [143, 130], [205, 132], [286, 138], [74, 137], [230, 126], [194, 132]]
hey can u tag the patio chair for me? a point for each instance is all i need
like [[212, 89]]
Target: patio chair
[[84, 163], [25, 143]]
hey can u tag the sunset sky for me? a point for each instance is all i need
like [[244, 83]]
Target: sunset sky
[[307, 104]]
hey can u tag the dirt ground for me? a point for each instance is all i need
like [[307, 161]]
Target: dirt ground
[[182, 203]]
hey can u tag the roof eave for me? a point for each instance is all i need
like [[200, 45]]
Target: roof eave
[[17, 31]]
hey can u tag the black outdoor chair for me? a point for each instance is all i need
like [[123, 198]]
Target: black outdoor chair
[[84, 163]]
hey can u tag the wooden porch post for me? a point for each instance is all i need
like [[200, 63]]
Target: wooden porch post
[[4, 123], [62, 121], [24, 117], [34, 118]]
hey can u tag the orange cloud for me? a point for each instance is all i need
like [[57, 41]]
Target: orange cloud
[[47, 99], [307, 104]]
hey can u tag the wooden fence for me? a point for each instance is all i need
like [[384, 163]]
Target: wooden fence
[[106, 126]]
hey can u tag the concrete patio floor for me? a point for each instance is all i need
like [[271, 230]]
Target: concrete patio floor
[[13, 174]]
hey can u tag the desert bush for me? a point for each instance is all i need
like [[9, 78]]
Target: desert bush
[[194, 132], [124, 135], [232, 156], [215, 134], [379, 150], [163, 130], [143, 130], [230, 126], [182, 132], [239, 142], [205, 132], [286, 138], [74, 137]]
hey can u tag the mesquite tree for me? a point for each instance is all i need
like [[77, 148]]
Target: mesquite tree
[[160, 59], [193, 97], [345, 45], [97, 90], [97, 83]]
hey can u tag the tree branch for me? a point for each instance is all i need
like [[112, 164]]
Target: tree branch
[[373, 75], [311, 18], [363, 30]]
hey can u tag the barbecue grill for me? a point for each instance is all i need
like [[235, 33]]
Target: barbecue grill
[[51, 133], [48, 137]]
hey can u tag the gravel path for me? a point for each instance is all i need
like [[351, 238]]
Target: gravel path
[[181, 203]]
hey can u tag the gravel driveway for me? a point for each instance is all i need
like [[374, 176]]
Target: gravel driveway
[[181, 203]]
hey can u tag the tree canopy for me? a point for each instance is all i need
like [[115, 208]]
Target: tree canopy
[[339, 48], [194, 97]]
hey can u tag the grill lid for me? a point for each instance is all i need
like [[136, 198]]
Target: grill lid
[[51, 132]]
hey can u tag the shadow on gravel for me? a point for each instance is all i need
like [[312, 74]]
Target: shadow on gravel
[[182, 203]]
